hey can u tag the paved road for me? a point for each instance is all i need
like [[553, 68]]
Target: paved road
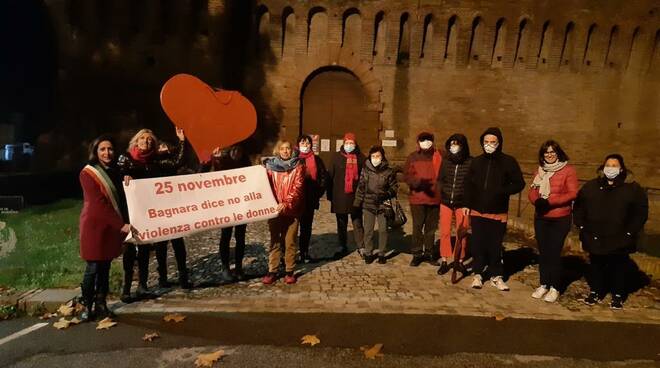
[[273, 339]]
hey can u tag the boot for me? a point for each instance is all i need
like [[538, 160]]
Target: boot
[[126, 290], [341, 253], [225, 275], [143, 290], [238, 272], [183, 279], [87, 301], [101, 309], [162, 278]]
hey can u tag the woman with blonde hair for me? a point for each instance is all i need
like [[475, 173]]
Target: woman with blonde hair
[[286, 175]]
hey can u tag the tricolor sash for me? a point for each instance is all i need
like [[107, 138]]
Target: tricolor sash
[[107, 186]]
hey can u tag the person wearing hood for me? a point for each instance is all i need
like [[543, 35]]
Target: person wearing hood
[[315, 183], [552, 192], [451, 184], [343, 175], [377, 184], [493, 177], [421, 174], [610, 212], [286, 175]]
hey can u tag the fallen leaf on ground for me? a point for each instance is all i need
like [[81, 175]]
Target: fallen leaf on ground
[[65, 310], [499, 317], [176, 317], [150, 336], [74, 321], [78, 308], [371, 352], [310, 339], [48, 316], [207, 360], [105, 324], [62, 324]]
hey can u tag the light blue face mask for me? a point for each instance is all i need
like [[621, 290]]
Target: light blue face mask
[[348, 148], [611, 172]]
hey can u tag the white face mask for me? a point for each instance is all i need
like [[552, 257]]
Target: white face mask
[[426, 144], [454, 149], [376, 161], [490, 148], [304, 149], [611, 172], [348, 148]]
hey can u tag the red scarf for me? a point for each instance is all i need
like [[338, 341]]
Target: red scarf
[[140, 156], [351, 175], [310, 163]]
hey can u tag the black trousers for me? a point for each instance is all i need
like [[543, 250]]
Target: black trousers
[[95, 280], [605, 266], [180, 255], [342, 228], [141, 255], [550, 235], [425, 223], [225, 238], [486, 245], [306, 222]]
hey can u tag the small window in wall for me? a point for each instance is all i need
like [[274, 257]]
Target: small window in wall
[[475, 41], [521, 44], [403, 51], [451, 40], [288, 30], [317, 30], [75, 15], [635, 52], [589, 48], [378, 46], [610, 53], [544, 47], [263, 34], [654, 61], [427, 36], [497, 56], [567, 45], [198, 23], [351, 30]]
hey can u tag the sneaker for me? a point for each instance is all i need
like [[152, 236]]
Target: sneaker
[[617, 302], [444, 268], [416, 260], [290, 279], [476, 282], [499, 283], [551, 296], [269, 278], [382, 260], [539, 292], [592, 299], [369, 259]]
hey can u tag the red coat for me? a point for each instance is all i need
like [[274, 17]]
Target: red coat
[[563, 191], [100, 225], [421, 175], [288, 189]]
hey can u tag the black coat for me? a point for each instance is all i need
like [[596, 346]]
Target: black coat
[[376, 185], [491, 179], [341, 202], [313, 189], [610, 217], [160, 165], [453, 170]]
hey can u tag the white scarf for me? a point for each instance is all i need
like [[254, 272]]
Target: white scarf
[[542, 178]]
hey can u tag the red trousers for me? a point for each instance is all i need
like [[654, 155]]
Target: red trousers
[[462, 224]]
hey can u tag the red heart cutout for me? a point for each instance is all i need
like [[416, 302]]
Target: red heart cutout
[[209, 118]]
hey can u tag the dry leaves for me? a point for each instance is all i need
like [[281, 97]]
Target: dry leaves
[[64, 323], [105, 324], [499, 317], [176, 317], [207, 360], [47, 316], [371, 352], [150, 336], [310, 339], [65, 310]]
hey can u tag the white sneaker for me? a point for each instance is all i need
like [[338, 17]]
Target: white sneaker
[[552, 295], [498, 283], [476, 282], [539, 292]]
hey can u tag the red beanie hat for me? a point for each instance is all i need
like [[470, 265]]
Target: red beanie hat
[[349, 136]]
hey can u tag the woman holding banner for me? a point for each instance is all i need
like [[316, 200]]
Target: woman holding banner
[[143, 161], [103, 225], [286, 176], [313, 189]]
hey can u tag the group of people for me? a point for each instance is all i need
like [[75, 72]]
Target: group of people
[[449, 188]]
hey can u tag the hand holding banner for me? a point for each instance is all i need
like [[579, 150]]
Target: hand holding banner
[[175, 206]]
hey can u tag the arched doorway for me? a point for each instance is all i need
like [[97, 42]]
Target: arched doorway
[[333, 102]]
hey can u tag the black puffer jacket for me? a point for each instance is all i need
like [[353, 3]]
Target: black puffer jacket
[[160, 165], [453, 171], [492, 178], [610, 217], [376, 185]]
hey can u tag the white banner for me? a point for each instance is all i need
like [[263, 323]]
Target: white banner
[[175, 206]]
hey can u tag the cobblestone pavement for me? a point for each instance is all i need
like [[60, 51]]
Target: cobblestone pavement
[[348, 285]]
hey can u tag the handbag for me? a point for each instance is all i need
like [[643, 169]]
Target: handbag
[[394, 213]]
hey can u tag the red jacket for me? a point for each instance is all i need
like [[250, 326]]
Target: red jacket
[[421, 175], [100, 225], [563, 191], [288, 189]]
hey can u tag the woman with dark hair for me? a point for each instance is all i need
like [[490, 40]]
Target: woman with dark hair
[[610, 212], [313, 189], [377, 184], [103, 225], [552, 192]]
